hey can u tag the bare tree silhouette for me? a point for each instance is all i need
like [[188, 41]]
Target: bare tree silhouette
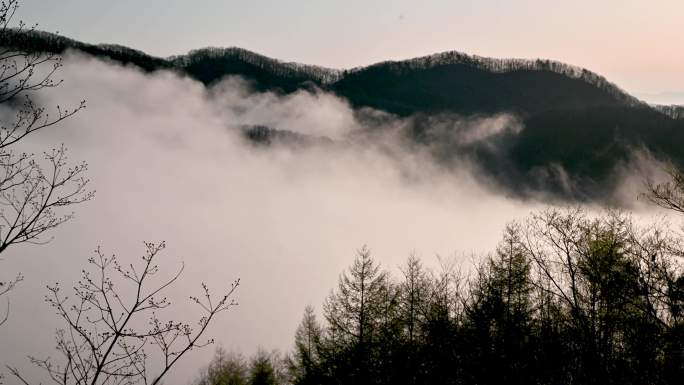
[[103, 341], [670, 194], [34, 189]]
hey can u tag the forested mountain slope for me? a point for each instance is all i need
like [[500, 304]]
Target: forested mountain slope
[[449, 81], [578, 128]]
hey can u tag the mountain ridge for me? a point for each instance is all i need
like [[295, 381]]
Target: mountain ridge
[[55, 43], [579, 127]]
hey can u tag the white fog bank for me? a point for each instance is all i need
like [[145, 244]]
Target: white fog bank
[[168, 164]]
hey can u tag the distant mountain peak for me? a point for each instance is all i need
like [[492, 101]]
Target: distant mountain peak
[[578, 126], [498, 65], [291, 69], [318, 74]]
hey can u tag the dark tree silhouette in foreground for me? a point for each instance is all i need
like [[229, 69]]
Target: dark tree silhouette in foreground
[[104, 341], [301, 364], [34, 189], [567, 298]]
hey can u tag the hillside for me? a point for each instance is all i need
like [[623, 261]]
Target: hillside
[[574, 120], [449, 81], [456, 82]]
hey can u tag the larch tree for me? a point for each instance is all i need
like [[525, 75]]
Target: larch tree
[[304, 364], [354, 312]]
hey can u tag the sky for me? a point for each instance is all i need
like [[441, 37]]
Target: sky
[[634, 43], [170, 164]]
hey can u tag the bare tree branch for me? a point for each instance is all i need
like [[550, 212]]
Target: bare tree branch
[[103, 342], [34, 189]]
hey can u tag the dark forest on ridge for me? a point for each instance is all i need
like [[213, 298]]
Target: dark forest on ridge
[[572, 117]]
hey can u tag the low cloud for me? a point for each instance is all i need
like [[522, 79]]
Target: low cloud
[[169, 161]]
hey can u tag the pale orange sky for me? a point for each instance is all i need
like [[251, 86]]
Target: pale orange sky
[[634, 43]]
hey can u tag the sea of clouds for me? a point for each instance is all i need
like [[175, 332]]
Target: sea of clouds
[[168, 161]]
